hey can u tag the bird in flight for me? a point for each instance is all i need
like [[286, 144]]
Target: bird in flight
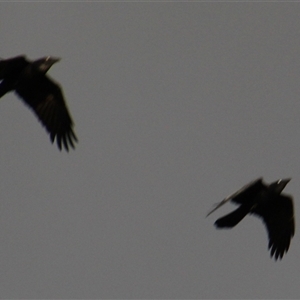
[[266, 202], [44, 96]]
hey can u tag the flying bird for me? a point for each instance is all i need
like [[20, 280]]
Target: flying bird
[[266, 202], [44, 96]]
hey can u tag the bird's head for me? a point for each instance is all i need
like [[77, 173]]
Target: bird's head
[[279, 185], [45, 63]]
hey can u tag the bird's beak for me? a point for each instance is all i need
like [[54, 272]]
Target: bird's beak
[[284, 182], [52, 59], [287, 180], [56, 59]]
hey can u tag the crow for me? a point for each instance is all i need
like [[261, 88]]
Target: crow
[[44, 96], [266, 202]]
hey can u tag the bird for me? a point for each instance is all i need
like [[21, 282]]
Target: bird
[[267, 202], [28, 79]]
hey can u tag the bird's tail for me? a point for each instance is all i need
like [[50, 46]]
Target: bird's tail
[[233, 218]]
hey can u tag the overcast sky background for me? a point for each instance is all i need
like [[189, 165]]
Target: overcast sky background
[[176, 105]]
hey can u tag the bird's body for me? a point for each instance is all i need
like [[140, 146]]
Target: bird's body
[[266, 202], [43, 95]]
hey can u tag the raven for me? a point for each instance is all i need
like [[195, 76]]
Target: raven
[[267, 202], [43, 95]]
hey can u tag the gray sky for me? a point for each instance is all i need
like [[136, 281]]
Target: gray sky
[[176, 105]]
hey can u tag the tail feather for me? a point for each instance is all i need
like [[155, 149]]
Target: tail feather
[[233, 218]]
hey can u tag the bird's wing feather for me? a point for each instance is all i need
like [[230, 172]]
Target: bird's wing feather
[[247, 191], [12, 65], [280, 223], [233, 218], [45, 97]]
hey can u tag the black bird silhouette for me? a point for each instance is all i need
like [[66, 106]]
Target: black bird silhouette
[[267, 202], [43, 95]]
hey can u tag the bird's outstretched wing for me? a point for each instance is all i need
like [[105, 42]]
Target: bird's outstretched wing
[[8, 70], [12, 65], [234, 217], [280, 223], [247, 192], [45, 98]]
